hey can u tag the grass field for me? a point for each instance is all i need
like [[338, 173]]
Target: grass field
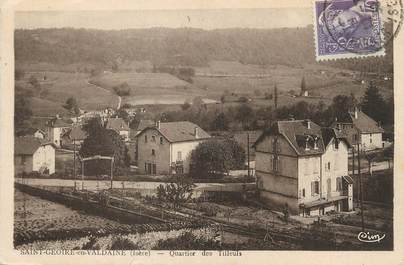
[[151, 89], [57, 87]]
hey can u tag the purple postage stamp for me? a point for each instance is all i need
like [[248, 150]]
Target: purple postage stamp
[[348, 29]]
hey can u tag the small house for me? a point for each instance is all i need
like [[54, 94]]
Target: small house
[[32, 154], [166, 147]]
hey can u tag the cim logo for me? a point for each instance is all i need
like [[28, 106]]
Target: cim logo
[[370, 238]]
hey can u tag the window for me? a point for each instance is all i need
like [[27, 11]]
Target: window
[[328, 166], [153, 152], [276, 164], [161, 140], [179, 156], [339, 183], [145, 138], [336, 144], [304, 192], [153, 139], [370, 139], [23, 160], [315, 188]]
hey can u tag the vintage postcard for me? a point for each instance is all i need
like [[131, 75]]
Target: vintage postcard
[[177, 132]]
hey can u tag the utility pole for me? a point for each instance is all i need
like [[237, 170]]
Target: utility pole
[[112, 171], [360, 188], [276, 97], [248, 154], [82, 175], [74, 158]]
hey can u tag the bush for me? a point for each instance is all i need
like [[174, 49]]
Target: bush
[[187, 241], [120, 243]]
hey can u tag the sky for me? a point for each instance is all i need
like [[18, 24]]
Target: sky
[[172, 18]]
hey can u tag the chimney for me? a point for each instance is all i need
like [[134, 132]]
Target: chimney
[[158, 124], [196, 132], [356, 113], [308, 123]]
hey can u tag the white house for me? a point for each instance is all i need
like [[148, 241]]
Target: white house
[[166, 147], [33, 154], [56, 128], [119, 126], [360, 129], [304, 167]]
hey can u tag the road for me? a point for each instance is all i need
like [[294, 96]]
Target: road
[[145, 188]]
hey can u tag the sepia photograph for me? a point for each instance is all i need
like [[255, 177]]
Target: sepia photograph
[[223, 130]]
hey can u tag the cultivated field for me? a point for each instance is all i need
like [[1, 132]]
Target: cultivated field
[[57, 87]]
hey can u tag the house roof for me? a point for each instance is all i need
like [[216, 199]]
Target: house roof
[[144, 124], [58, 123], [27, 145], [117, 124], [29, 131], [76, 133], [180, 131], [299, 135], [331, 133], [363, 122], [348, 179]]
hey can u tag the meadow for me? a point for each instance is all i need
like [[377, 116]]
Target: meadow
[[210, 82], [57, 87]]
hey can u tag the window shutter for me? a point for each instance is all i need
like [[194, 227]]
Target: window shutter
[[312, 188], [278, 145], [279, 164]]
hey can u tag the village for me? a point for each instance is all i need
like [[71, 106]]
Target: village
[[294, 184]]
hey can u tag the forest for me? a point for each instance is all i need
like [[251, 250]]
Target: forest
[[181, 46]]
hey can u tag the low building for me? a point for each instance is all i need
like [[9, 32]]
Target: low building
[[120, 126], [304, 167], [56, 128], [35, 132], [360, 129], [74, 136], [32, 154], [166, 147]]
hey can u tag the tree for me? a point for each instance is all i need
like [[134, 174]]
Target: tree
[[72, 105], [220, 123], [213, 158], [22, 110], [303, 84], [101, 141], [122, 113], [373, 104], [185, 106], [370, 157], [177, 192], [244, 114]]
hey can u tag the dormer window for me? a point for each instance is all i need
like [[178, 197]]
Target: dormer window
[[315, 143], [307, 144]]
